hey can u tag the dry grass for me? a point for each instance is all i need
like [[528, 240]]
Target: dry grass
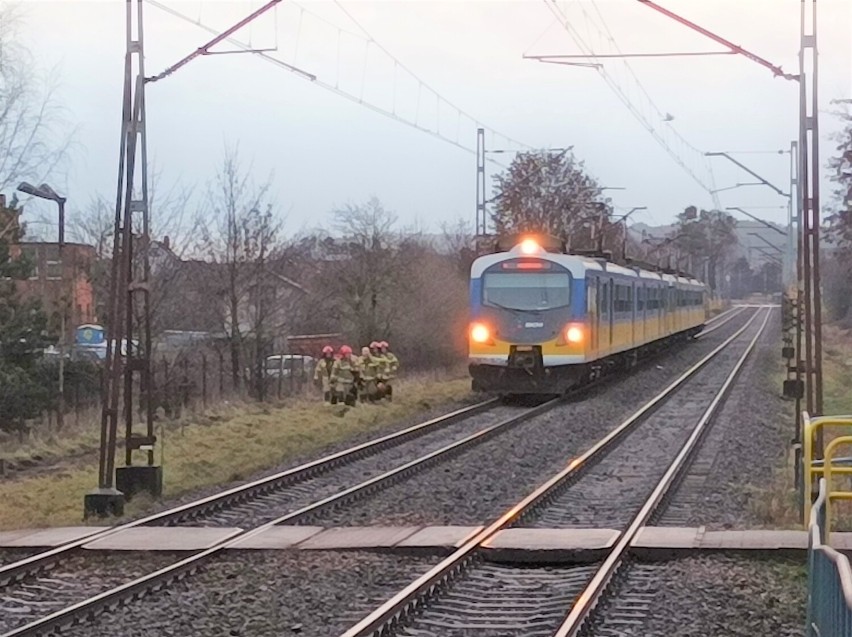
[[837, 370], [220, 446], [778, 505]]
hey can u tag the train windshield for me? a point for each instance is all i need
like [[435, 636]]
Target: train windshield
[[527, 290]]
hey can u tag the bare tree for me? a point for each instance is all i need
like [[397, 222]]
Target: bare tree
[[172, 239], [31, 144], [239, 239], [458, 238], [362, 269], [552, 193]]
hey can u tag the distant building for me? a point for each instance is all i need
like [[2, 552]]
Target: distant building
[[53, 281]]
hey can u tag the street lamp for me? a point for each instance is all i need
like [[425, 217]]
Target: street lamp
[[46, 192]]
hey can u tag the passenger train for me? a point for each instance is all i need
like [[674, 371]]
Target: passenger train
[[544, 321]]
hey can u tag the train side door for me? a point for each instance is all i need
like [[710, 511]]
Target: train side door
[[631, 291], [610, 308], [594, 316], [603, 314]]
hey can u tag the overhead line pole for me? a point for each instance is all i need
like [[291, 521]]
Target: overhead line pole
[[129, 282], [807, 182], [777, 70], [205, 48]]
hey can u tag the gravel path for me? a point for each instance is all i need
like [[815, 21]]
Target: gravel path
[[728, 483], [265, 594], [73, 580], [266, 508], [709, 596], [476, 486]]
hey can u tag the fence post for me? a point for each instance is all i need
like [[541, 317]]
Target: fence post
[[77, 400], [167, 405], [221, 375], [184, 365], [204, 380]]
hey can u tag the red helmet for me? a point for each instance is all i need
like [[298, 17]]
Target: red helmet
[[328, 349], [383, 344], [374, 345], [345, 350]]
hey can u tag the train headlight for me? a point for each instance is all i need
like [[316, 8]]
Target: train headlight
[[574, 333], [480, 333]]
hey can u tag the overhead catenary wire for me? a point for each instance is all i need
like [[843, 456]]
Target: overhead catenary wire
[[390, 113], [646, 109]]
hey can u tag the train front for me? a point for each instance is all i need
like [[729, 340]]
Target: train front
[[528, 330]]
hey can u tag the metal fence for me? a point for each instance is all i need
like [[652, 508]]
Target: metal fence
[[829, 578]]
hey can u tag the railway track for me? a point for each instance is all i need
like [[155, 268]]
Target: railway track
[[49, 597], [38, 596], [466, 595]]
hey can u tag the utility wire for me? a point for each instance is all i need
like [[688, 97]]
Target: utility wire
[[436, 133], [644, 111], [402, 66]]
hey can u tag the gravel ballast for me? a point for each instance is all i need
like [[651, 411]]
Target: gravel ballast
[[428, 412], [710, 595], [476, 486], [610, 492], [266, 508], [265, 594], [73, 580], [729, 483]]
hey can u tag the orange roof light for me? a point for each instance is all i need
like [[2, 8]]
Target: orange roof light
[[530, 246]]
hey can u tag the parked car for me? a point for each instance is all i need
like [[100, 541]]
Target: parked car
[[286, 365]]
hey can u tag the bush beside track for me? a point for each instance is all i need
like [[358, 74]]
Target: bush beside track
[[230, 444]]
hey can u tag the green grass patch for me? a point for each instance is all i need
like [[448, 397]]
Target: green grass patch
[[218, 447]]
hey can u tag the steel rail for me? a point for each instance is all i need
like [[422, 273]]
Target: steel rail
[[41, 561], [717, 325], [140, 586], [409, 600], [721, 315], [596, 587]]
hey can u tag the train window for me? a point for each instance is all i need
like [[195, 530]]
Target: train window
[[527, 290], [640, 299], [604, 299]]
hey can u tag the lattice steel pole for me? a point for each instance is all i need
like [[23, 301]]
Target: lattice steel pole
[[129, 304], [481, 219], [810, 202]]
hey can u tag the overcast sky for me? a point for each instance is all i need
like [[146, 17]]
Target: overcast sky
[[324, 150]]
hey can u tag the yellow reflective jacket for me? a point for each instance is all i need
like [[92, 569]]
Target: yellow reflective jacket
[[392, 363], [344, 372], [370, 367], [323, 372]]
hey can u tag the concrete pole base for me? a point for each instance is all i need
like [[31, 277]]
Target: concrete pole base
[[139, 479], [103, 503]]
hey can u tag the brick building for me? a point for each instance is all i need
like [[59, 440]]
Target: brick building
[[53, 281]]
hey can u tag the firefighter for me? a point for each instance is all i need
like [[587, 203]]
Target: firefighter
[[392, 367], [344, 378], [381, 368], [322, 373], [369, 376]]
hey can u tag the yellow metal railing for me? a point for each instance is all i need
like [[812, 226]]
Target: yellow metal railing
[[829, 466]]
